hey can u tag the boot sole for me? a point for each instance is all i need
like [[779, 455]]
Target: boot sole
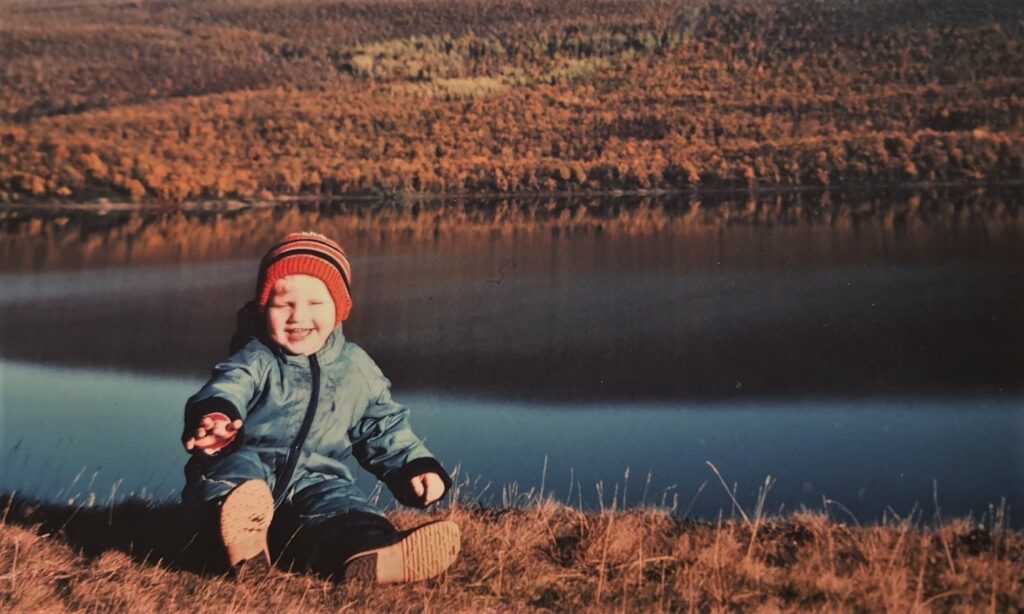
[[425, 552], [245, 518]]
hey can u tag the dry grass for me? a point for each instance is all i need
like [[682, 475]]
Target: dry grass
[[545, 556]]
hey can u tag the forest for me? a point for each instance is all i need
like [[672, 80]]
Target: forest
[[173, 101]]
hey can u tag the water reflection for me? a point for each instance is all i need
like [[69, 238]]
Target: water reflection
[[738, 312], [805, 229]]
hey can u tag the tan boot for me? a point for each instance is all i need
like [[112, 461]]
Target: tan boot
[[423, 552], [245, 519]]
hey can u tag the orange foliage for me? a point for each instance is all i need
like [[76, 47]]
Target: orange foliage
[[197, 100]]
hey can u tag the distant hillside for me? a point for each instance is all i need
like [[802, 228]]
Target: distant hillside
[[178, 100]]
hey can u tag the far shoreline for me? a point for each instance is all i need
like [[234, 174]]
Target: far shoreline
[[103, 201]]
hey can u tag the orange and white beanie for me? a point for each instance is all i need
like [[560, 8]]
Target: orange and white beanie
[[313, 254]]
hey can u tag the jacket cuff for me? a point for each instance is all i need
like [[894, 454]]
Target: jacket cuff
[[194, 416], [398, 481]]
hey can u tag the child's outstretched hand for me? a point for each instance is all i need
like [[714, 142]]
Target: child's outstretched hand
[[216, 431], [428, 487]]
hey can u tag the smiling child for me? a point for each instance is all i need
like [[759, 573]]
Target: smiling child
[[270, 431]]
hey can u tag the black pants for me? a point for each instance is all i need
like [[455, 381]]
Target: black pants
[[323, 547]]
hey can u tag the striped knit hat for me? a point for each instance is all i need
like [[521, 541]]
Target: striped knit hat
[[308, 253]]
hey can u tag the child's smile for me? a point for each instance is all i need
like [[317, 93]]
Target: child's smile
[[300, 314], [298, 334]]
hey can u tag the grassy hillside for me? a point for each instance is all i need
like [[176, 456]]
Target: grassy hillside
[[176, 100], [545, 557]]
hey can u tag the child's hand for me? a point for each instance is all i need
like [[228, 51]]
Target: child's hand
[[216, 431], [428, 487]]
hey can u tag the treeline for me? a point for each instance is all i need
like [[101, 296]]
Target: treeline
[[179, 101]]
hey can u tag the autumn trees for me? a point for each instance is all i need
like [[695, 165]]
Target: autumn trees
[[182, 101]]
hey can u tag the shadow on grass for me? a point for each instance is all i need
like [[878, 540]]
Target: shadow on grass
[[148, 532]]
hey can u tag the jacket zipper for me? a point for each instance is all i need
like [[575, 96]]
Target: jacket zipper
[[300, 439]]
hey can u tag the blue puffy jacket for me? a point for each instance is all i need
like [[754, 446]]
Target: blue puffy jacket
[[303, 416]]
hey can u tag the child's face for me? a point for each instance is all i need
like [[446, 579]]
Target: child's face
[[300, 314]]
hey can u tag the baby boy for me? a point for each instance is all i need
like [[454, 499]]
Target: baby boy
[[270, 431]]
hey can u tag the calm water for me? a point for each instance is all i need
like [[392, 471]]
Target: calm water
[[871, 364]]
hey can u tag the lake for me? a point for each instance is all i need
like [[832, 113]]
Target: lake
[[865, 351]]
